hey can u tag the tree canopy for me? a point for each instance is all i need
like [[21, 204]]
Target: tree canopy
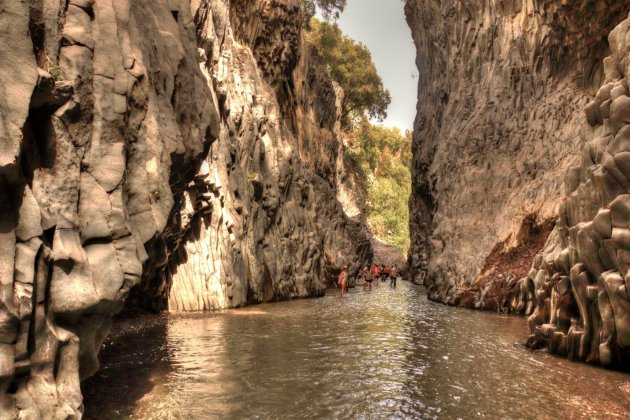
[[350, 64], [382, 157], [328, 8], [376, 141]]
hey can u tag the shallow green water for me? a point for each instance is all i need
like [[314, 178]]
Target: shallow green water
[[381, 353]]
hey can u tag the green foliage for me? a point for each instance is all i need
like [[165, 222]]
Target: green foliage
[[382, 156], [54, 70], [389, 212], [328, 8], [350, 64], [376, 140]]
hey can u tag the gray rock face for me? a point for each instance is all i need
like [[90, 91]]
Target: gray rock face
[[503, 86], [581, 279], [176, 145], [262, 221]]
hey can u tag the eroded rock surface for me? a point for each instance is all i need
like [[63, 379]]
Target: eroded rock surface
[[502, 90], [502, 86], [175, 145], [582, 278]]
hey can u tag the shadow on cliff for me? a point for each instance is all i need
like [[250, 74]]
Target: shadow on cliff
[[137, 338]]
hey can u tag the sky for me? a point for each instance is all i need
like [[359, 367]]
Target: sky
[[381, 26]]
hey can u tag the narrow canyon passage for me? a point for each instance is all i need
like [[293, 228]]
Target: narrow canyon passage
[[186, 158], [379, 353]]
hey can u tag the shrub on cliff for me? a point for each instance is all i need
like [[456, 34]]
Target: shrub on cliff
[[382, 157], [328, 8], [350, 64]]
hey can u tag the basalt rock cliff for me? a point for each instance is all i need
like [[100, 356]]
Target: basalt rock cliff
[[581, 280], [177, 154], [503, 149]]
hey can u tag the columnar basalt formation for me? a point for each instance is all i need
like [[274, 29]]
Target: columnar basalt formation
[[581, 280], [502, 86], [502, 92], [142, 143]]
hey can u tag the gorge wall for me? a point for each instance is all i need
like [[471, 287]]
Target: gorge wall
[[581, 280], [188, 148], [502, 92]]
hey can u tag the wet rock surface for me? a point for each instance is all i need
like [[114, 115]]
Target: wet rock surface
[[387, 254], [154, 144], [502, 93]]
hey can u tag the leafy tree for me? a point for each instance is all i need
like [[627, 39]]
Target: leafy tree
[[374, 141], [389, 211], [350, 64], [329, 8], [382, 156]]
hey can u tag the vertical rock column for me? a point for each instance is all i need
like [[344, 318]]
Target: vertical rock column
[[501, 88], [100, 106], [582, 278]]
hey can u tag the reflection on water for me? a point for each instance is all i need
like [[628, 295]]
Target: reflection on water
[[379, 353]]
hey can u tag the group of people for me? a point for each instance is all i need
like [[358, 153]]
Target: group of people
[[368, 275], [374, 273]]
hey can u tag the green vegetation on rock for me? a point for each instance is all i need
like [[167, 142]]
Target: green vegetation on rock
[[54, 70], [382, 157], [328, 8], [350, 65]]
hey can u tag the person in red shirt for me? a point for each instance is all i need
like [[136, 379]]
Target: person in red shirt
[[376, 273], [387, 272]]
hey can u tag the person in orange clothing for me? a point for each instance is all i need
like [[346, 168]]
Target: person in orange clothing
[[342, 280], [376, 273], [387, 273]]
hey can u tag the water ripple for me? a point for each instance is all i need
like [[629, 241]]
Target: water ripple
[[379, 353]]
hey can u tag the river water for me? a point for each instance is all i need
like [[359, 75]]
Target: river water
[[380, 353]]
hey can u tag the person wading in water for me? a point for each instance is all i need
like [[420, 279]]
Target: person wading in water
[[386, 272], [393, 276], [362, 277], [342, 280], [369, 277], [376, 274]]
